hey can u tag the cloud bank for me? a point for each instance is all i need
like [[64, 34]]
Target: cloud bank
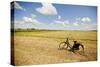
[[47, 9]]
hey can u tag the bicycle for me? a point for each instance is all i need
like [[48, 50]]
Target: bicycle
[[68, 46], [65, 44]]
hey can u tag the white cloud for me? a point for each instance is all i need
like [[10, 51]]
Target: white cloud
[[84, 23], [30, 20], [47, 9], [87, 27], [76, 23], [92, 27], [27, 22], [59, 17], [17, 6], [86, 19], [84, 26], [18, 24], [60, 23], [27, 19]]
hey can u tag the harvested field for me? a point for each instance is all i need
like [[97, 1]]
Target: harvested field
[[41, 47]]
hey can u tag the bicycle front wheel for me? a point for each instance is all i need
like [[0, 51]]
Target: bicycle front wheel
[[62, 45]]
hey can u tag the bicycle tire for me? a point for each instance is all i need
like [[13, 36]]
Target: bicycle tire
[[63, 45]]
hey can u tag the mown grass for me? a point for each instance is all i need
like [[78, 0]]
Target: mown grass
[[41, 46]]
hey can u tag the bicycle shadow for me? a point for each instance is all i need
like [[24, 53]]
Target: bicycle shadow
[[82, 53]]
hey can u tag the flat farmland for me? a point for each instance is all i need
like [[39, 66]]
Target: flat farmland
[[41, 46]]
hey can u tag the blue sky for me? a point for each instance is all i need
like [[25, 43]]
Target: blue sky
[[54, 16]]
